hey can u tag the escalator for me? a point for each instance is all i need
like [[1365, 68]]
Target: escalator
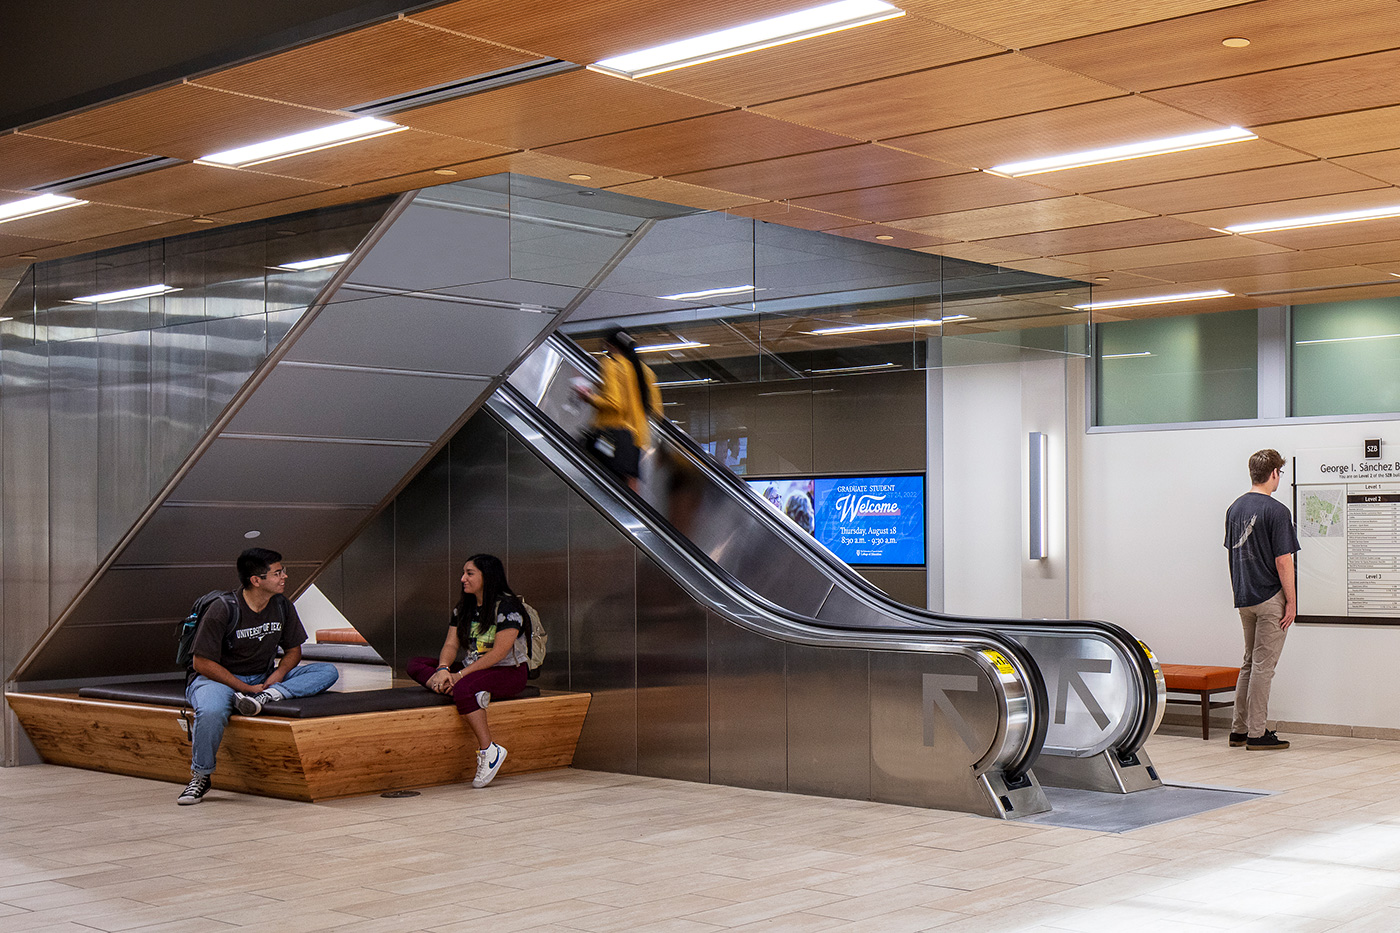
[[1104, 688]]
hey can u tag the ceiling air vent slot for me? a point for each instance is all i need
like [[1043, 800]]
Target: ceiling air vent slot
[[488, 81], [111, 173]]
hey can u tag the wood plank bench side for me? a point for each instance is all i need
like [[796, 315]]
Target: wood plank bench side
[[302, 759]]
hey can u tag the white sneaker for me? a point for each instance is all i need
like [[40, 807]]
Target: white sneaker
[[483, 699], [488, 762], [249, 704]]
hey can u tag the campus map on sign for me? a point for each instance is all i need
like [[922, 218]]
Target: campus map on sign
[[1348, 514], [1320, 512]]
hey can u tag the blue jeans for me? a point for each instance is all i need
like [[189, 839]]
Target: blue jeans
[[213, 704]]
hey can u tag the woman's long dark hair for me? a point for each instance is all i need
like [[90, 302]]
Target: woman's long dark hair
[[493, 587], [622, 342]]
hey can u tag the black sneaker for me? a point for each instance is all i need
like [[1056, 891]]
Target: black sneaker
[[1268, 742], [1237, 739], [194, 791], [249, 704]]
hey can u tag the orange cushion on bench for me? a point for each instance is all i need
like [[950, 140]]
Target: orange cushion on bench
[[339, 636], [1199, 677]]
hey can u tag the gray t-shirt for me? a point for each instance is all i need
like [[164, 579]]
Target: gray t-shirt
[[1258, 529]]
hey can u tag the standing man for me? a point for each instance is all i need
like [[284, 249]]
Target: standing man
[[235, 665], [1260, 537]]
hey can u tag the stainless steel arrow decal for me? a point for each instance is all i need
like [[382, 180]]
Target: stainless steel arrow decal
[[936, 687], [1072, 671]]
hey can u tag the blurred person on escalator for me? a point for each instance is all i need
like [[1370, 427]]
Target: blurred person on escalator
[[623, 402]]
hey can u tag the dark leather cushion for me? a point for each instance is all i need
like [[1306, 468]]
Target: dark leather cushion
[[331, 703]]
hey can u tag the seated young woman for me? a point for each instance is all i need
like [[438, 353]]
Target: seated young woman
[[484, 655]]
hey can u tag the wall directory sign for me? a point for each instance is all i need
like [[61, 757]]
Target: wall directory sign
[[1347, 507], [864, 520]]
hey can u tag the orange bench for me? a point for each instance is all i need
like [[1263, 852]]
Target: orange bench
[[340, 636], [1202, 682]]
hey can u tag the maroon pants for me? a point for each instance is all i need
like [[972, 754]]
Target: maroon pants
[[501, 682]]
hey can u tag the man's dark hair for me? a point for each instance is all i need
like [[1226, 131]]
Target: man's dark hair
[[1262, 463], [255, 562]]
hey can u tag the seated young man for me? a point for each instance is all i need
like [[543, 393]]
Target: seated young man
[[236, 666]]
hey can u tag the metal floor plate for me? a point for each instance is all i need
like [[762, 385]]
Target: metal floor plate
[[1122, 813]]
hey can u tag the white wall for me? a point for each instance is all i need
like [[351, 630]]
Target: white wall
[[1150, 535], [988, 412]]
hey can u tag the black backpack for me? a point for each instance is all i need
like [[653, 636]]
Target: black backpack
[[184, 651]]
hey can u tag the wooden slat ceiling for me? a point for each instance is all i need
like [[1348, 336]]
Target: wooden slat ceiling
[[883, 131]]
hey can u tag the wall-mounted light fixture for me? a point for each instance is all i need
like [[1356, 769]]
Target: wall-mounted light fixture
[[1040, 506]]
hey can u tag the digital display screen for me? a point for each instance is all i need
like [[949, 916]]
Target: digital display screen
[[870, 520]]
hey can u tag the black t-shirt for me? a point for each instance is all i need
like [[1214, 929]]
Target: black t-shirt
[[1258, 529], [251, 648], [478, 639]]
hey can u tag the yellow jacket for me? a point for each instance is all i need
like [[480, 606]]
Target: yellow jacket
[[618, 401]]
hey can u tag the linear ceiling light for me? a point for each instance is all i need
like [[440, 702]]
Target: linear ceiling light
[[351, 131], [683, 382], [145, 291], [307, 264], [764, 34], [33, 207], [887, 325], [1317, 220], [1155, 300], [680, 345], [1125, 356], [709, 293], [1151, 147]]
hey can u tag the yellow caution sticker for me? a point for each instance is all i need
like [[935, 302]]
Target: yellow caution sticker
[[999, 661], [1150, 655]]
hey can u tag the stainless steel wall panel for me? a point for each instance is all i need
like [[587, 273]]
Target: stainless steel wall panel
[[235, 346], [426, 585], [603, 640], [133, 594], [200, 533], [778, 428], [368, 579], [447, 337], [245, 470], [84, 651], [479, 507], [930, 724], [55, 283], [279, 323], [235, 272], [907, 586], [300, 400], [74, 376], [124, 482], [444, 238], [828, 722], [672, 679], [872, 423], [24, 386], [537, 557], [748, 707], [180, 413]]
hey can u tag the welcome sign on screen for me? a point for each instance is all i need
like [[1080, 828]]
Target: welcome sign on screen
[[862, 519]]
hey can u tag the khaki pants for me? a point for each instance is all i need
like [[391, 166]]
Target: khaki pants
[[1263, 643]]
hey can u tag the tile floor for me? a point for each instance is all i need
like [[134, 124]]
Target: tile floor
[[571, 851]]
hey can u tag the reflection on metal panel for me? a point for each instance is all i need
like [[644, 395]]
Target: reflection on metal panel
[[672, 679], [24, 381], [124, 434], [73, 506], [828, 714], [367, 564], [1087, 684], [234, 348], [603, 640], [929, 724], [179, 411], [425, 588], [748, 708]]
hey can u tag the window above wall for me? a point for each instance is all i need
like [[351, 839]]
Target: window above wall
[[1202, 367]]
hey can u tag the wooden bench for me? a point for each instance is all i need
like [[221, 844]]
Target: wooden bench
[[1202, 682], [308, 759]]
